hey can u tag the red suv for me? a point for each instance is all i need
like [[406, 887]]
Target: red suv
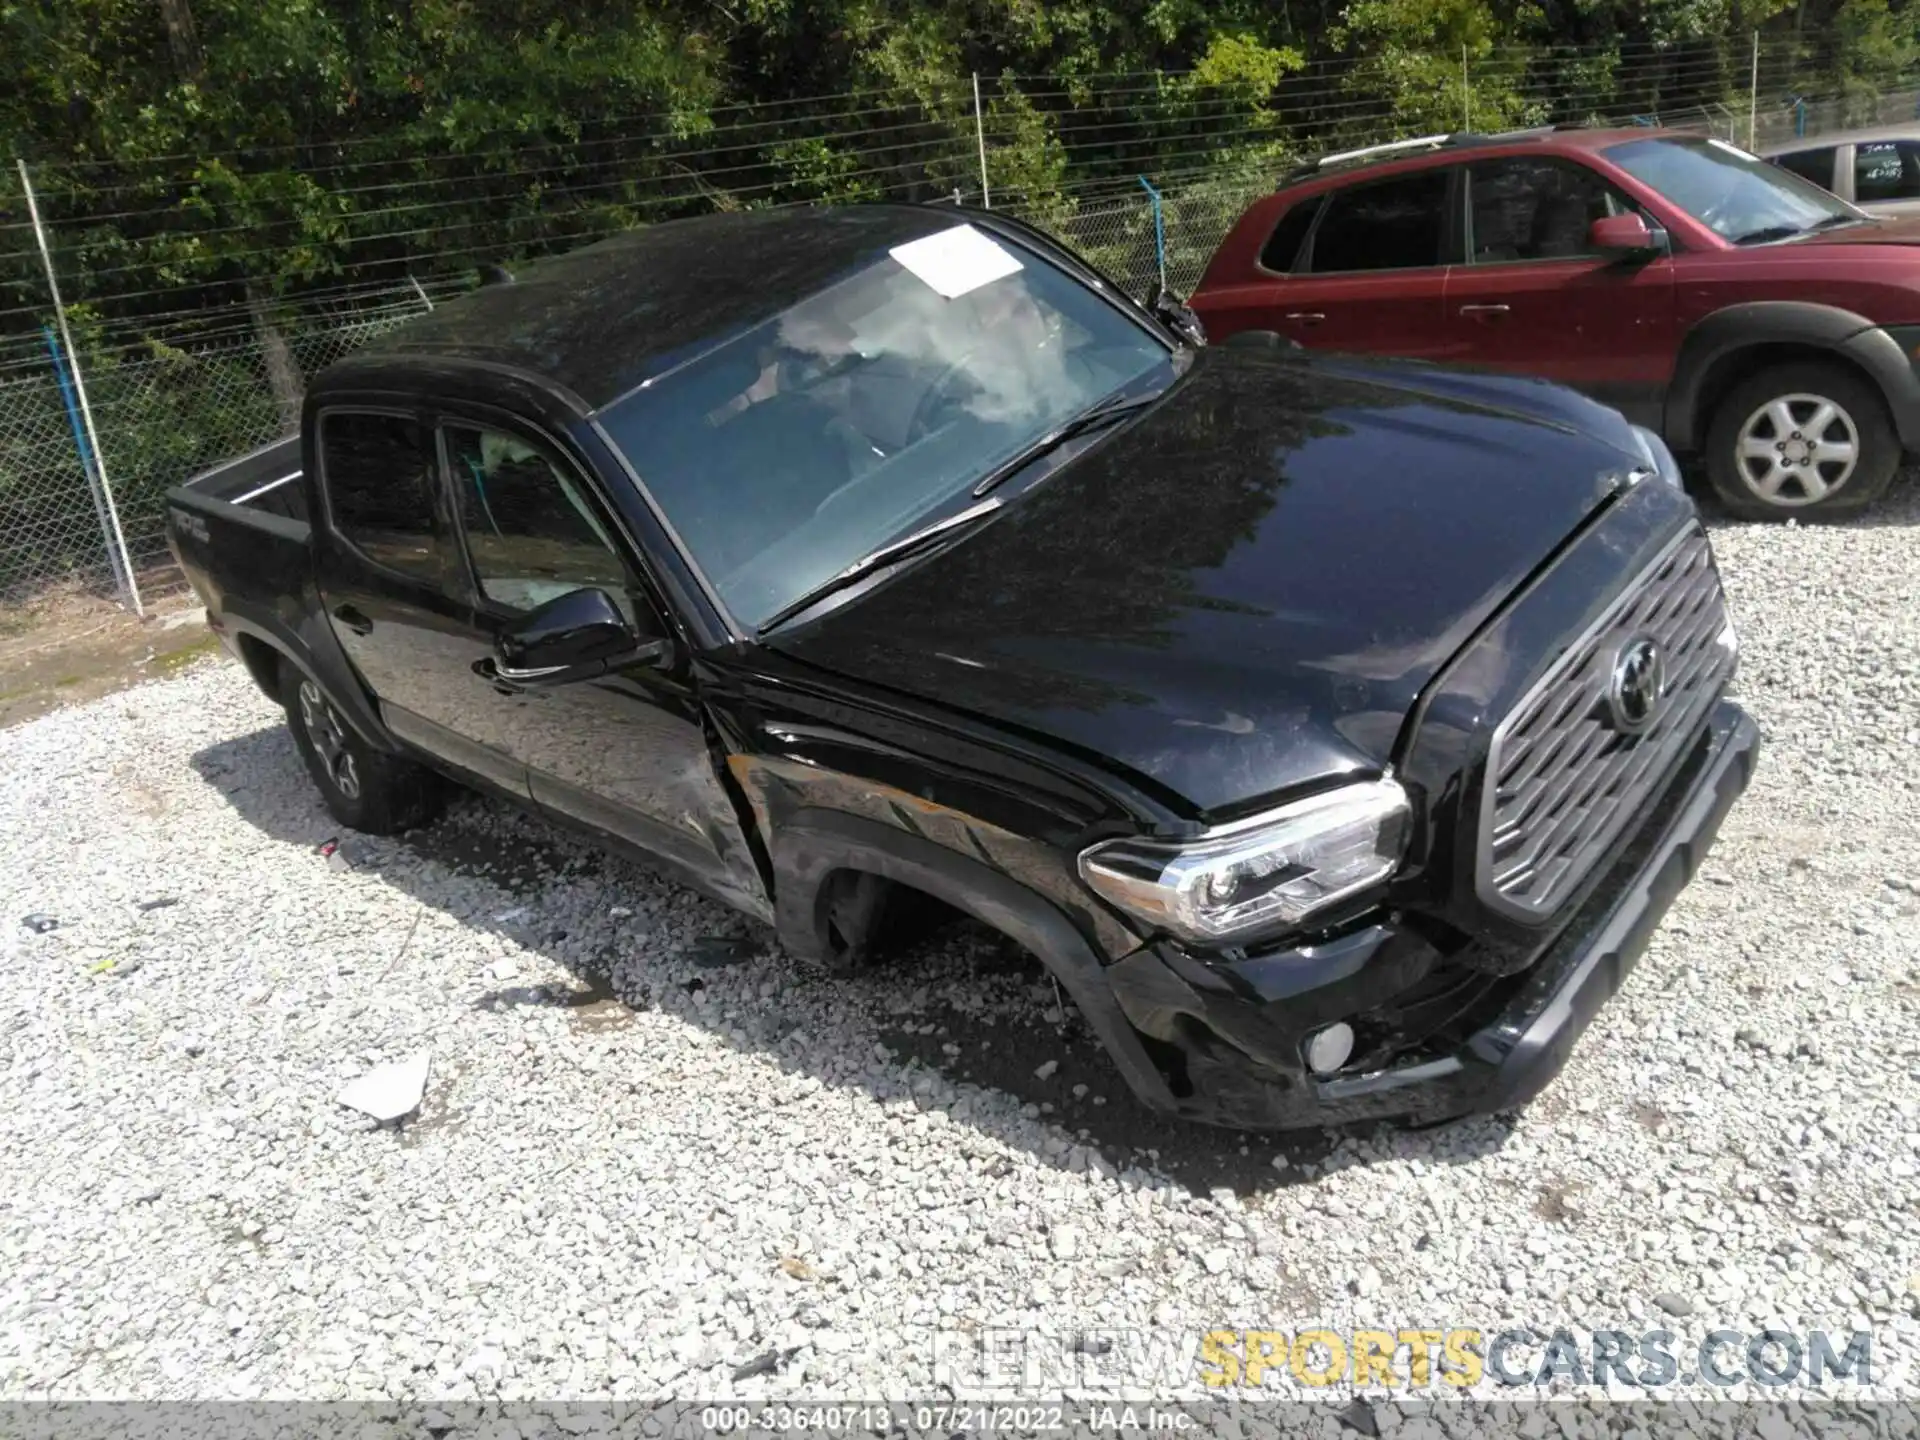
[[1744, 314]]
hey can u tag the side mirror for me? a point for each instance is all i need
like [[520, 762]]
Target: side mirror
[[1176, 316], [1619, 236], [574, 636]]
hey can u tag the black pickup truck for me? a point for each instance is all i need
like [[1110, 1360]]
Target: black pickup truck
[[1335, 731]]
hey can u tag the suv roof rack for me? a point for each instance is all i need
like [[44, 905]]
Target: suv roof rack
[[1341, 159]]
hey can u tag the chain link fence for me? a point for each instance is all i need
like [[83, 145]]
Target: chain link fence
[[49, 529], [1145, 199], [163, 411]]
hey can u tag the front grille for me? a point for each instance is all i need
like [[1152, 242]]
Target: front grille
[[1569, 767]]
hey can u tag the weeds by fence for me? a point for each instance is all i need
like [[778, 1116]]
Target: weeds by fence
[[196, 319]]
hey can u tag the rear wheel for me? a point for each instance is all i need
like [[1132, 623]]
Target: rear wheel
[[365, 789], [1810, 441]]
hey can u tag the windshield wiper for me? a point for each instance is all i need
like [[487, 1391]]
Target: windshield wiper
[[1768, 232], [888, 554], [1833, 220], [1079, 425]]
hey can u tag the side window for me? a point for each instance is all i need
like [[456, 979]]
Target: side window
[[378, 471], [1283, 246], [1526, 209], [1814, 165], [531, 532], [1886, 170], [1395, 224]]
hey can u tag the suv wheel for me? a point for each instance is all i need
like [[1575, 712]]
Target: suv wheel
[[1810, 441], [364, 789]]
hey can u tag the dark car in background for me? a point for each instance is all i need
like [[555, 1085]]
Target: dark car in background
[[1334, 732], [1758, 323]]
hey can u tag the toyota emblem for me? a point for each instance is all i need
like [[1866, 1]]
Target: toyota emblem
[[1639, 679]]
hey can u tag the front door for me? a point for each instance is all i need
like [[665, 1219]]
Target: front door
[[626, 754], [1535, 299], [1372, 274], [392, 583]]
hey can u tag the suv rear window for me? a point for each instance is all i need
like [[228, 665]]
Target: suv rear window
[[1886, 170], [1283, 247], [1396, 224]]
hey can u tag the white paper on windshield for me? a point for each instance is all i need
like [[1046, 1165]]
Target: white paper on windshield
[[957, 260]]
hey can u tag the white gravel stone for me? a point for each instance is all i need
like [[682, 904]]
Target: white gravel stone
[[632, 1174]]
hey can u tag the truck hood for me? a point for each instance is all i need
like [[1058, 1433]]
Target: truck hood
[[1246, 589]]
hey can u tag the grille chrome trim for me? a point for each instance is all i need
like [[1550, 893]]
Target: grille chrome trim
[[1561, 782]]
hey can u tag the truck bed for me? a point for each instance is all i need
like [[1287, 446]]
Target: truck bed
[[240, 533], [267, 480]]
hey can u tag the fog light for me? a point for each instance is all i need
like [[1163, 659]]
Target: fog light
[[1328, 1050]]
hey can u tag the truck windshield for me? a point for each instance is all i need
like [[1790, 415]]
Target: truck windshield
[[870, 409], [1738, 197]]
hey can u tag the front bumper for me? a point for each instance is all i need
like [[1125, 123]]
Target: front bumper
[[1229, 1033]]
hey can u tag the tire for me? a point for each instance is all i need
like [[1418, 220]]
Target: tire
[[365, 789], [867, 918], [1765, 462]]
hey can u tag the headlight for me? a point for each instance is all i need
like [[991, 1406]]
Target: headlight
[[1264, 873], [1658, 457]]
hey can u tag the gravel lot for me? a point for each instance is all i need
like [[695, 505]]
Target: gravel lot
[[647, 1158]]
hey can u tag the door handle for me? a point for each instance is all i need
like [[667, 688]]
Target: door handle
[[353, 620], [1484, 309], [1306, 317]]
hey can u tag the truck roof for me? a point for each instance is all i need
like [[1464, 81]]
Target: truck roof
[[604, 318]]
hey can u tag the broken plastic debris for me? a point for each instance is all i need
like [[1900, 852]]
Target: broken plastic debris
[[507, 917], [764, 1364], [388, 1092], [159, 902], [40, 923], [329, 845]]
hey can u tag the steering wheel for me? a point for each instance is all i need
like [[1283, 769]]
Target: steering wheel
[[926, 416]]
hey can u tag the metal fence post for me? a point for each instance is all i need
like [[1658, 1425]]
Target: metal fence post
[[91, 461], [980, 134], [1466, 93], [1753, 98], [1159, 229]]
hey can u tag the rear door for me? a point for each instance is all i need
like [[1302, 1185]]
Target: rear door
[[626, 754], [395, 592], [1369, 274], [1534, 298]]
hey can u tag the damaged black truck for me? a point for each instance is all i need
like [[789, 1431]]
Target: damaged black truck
[[1335, 731]]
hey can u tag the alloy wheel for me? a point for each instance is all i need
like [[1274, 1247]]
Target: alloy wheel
[[1797, 450], [329, 738]]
